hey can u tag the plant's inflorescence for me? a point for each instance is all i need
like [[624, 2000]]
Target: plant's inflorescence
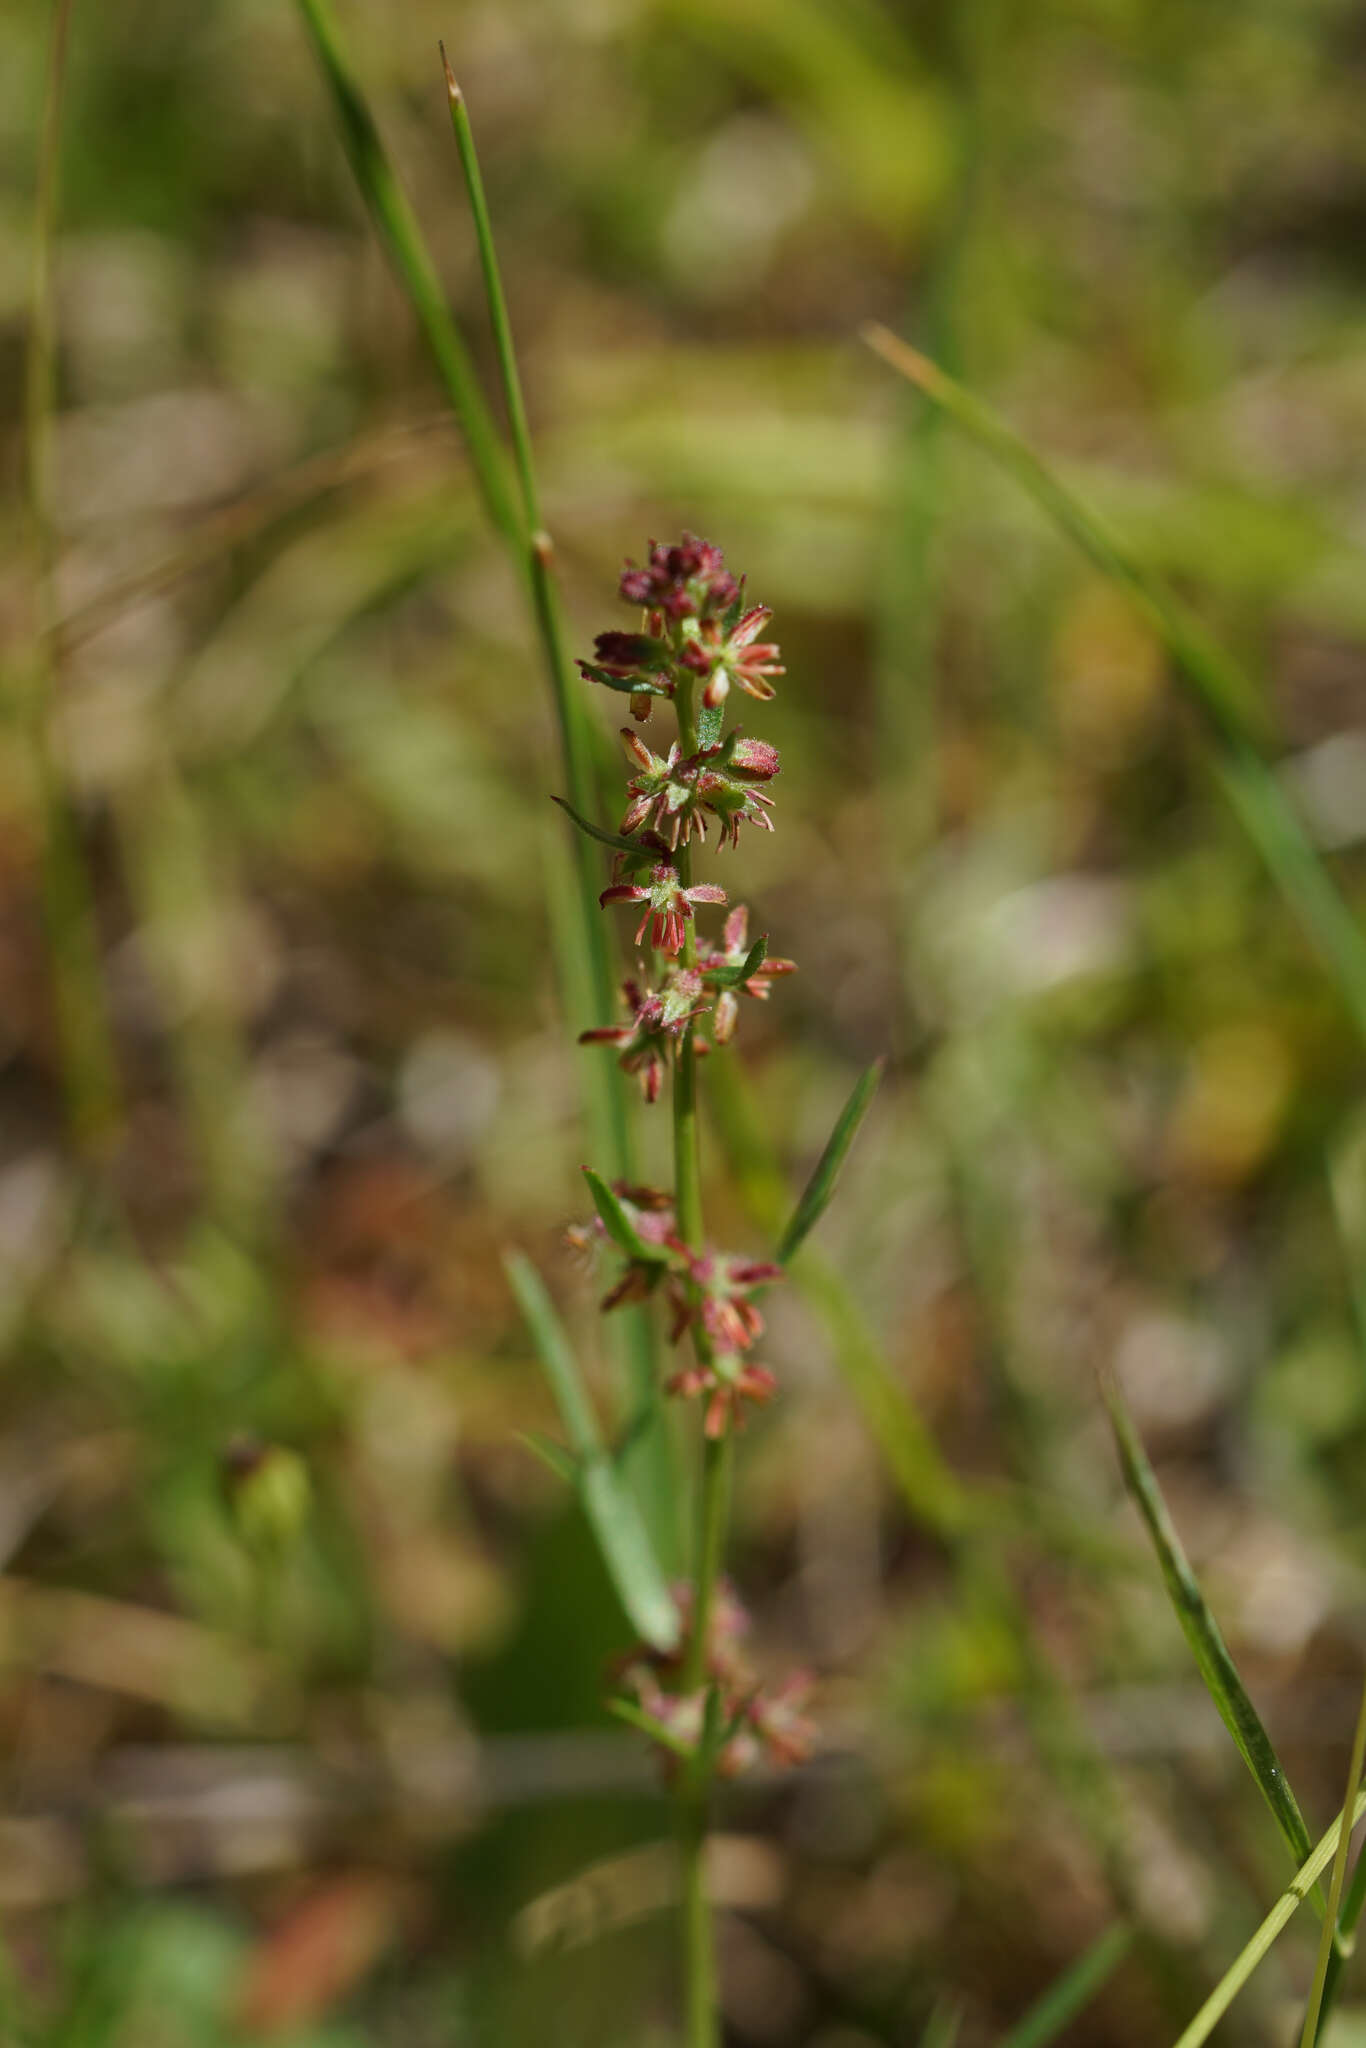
[[696, 643]]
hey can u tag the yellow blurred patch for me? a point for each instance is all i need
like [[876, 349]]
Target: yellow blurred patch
[[1233, 1104], [1108, 671]]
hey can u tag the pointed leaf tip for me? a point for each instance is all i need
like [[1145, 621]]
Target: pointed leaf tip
[[452, 88], [821, 1186]]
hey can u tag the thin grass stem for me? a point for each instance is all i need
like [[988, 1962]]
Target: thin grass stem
[[1275, 1923], [89, 1062], [1320, 2001]]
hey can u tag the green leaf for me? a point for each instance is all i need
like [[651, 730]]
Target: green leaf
[[407, 251], [1217, 682], [626, 686], [596, 831], [936, 1498], [1074, 1990], [628, 1553], [736, 977], [1201, 1630], [821, 1186], [621, 1536], [618, 1224], [636, 1717]]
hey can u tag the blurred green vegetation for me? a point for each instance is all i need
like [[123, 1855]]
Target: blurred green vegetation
[[328, 1765]]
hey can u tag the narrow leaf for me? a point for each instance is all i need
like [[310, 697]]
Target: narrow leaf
[[1276, 1921], [1201, 1630], [821, 1186], [736, 977], [1217, 682], [636, 1717], [936, 1498], [407, 251], [553, 1456], [618, 1224], [595, 831], [626, 686], [628, 1554], [621, 1536], [1072, 1992]]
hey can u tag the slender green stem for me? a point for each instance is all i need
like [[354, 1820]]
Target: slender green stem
[[701, 2026], [1320, 1997], [89, 1062], [702, 2017]]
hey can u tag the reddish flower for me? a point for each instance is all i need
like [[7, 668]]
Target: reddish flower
[[668, 906], [671, 795], [726, 653], [658, 1019], [719, 1298], [754, 1723], [727, 1382], [687, 581], [664, 794], [731, 954], [783, 1730]]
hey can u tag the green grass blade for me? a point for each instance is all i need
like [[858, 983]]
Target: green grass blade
[[407, 251], [1201, 1630], [622, 1539], [1073, 1991], [1275, 1923], [821, 1186], [1217, 683], [497, 303]]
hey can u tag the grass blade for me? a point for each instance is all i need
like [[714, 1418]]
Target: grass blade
[[1201, 1630], [821, 1186], [1280, 1916], [1218, 684], [407, 251], [1072, 1992], [622, 1539]]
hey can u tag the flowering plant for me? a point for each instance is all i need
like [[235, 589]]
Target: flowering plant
[[693, 1693]]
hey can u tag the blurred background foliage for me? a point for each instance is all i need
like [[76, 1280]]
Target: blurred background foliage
[[311, 1748]]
